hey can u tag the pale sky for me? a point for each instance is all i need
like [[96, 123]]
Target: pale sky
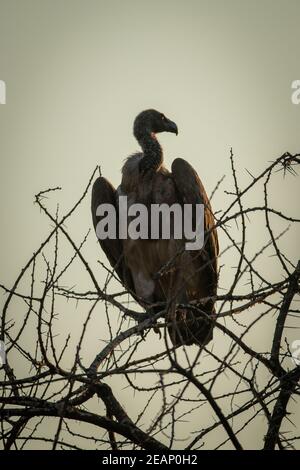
[[77, 72]]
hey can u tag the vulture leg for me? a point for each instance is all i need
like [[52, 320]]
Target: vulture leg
[[104, 193], [176, 327]]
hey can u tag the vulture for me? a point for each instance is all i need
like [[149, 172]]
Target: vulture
[[162, 274]]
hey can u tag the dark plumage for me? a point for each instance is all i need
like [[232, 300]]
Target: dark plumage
[[192, 275]]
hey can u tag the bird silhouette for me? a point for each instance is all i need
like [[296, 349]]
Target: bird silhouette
[[162, 274]]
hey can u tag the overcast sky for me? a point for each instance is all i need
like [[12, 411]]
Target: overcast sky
[[77, 72]]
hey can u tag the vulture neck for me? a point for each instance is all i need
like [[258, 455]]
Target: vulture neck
[[153, 153]]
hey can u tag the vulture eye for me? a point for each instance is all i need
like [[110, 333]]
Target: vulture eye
[[163, 117]]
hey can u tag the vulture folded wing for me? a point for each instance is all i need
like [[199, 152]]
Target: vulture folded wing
[[191, 191], [104, 193]]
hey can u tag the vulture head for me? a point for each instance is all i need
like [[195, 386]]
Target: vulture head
[[152, 122]]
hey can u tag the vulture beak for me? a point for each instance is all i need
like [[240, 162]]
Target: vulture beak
[[171, 127]]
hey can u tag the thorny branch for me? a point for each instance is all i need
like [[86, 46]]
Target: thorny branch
[[136, 391]]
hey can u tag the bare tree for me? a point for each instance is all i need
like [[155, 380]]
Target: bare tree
[[62, 389]]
